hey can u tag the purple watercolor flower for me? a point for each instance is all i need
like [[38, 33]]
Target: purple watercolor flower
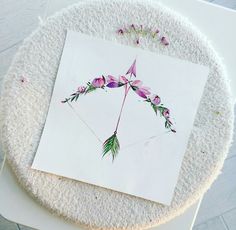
[[164, 41], [113, 82], [142, 91], [99, 82], [81, 89], [132, 69], [156, 100], [166, 113]]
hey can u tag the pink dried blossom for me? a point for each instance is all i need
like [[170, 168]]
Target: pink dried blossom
[[23, 79], [133, 27], [120, 31], [140, 31], [164, 41]]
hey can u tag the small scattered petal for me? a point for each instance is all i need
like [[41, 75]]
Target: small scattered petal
[[120, 31], [164, 41], [133, 27], [23, 79]]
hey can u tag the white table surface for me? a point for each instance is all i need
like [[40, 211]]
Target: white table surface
[[17, 206]]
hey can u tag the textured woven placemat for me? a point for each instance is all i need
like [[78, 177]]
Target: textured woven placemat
[[24, 107]]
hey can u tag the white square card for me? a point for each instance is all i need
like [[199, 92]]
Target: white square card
[[148, 157]]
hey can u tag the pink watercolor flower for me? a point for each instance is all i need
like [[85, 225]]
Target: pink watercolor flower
[[99, 82], [123, 79], [113, 82], [132, 69], [166, 113], [81, 89], [142, 91], [137, 83], [111, 78], [156, 100]]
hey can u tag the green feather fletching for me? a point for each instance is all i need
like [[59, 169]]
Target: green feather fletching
[[111, 145]]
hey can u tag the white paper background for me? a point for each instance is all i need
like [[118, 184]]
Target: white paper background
[[147, 169]]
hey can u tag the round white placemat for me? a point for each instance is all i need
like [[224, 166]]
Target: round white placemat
[[24, 107]]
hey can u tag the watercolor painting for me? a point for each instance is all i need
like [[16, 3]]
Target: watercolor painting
[[128, 82]]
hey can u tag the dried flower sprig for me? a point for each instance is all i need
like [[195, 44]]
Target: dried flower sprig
[[128, 82], [139, 31]]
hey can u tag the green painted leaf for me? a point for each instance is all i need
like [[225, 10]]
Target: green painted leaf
[[111, 145], [155, 108], [76, 97], [90, 88], [167, 125], [73, 98]]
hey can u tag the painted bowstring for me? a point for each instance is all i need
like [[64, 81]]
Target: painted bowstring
[[84, 122]]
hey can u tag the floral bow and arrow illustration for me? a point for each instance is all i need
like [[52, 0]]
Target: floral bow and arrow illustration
[[128, 82]]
